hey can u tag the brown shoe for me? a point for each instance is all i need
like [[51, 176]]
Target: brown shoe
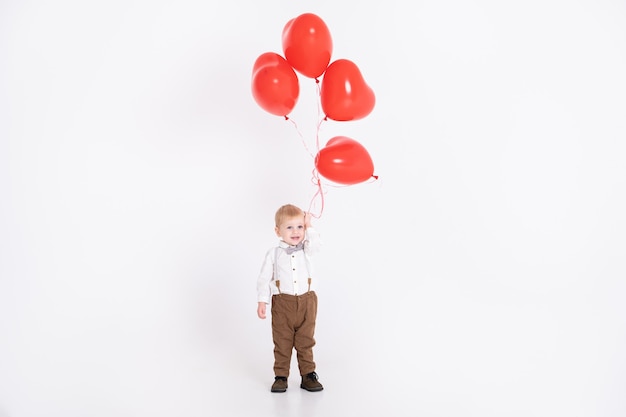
[[310, 382], [280, 384]]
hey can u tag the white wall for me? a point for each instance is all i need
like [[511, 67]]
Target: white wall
[[481, 275]]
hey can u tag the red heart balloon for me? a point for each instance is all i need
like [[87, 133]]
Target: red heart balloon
[[307, 44], [275, 85], [344, 161], [344, 93]]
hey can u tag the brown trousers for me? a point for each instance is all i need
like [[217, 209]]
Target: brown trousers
[[293, 326]]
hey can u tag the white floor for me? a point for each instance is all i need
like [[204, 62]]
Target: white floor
[[453, 356]]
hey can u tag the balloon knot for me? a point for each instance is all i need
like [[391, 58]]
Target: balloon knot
[[317, 81], [286, 118], [375, 177]]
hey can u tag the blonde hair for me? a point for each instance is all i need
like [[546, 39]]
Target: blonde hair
[[287, 211]]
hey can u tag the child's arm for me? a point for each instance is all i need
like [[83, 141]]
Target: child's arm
[[313, 242], [264, 292]]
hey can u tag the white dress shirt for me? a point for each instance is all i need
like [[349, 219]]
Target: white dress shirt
[[293, 270]]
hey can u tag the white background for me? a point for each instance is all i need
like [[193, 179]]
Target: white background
[[482, 274]]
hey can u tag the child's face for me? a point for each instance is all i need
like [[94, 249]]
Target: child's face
[[291, 230]]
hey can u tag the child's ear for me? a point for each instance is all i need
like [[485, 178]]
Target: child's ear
[[277, 231]]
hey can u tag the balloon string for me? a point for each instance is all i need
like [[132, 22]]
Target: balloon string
[[318, 194], [319, 125], [315, 179], [301, 136], [319, 116]]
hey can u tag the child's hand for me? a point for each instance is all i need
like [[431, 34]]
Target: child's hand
[[260, 310]]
